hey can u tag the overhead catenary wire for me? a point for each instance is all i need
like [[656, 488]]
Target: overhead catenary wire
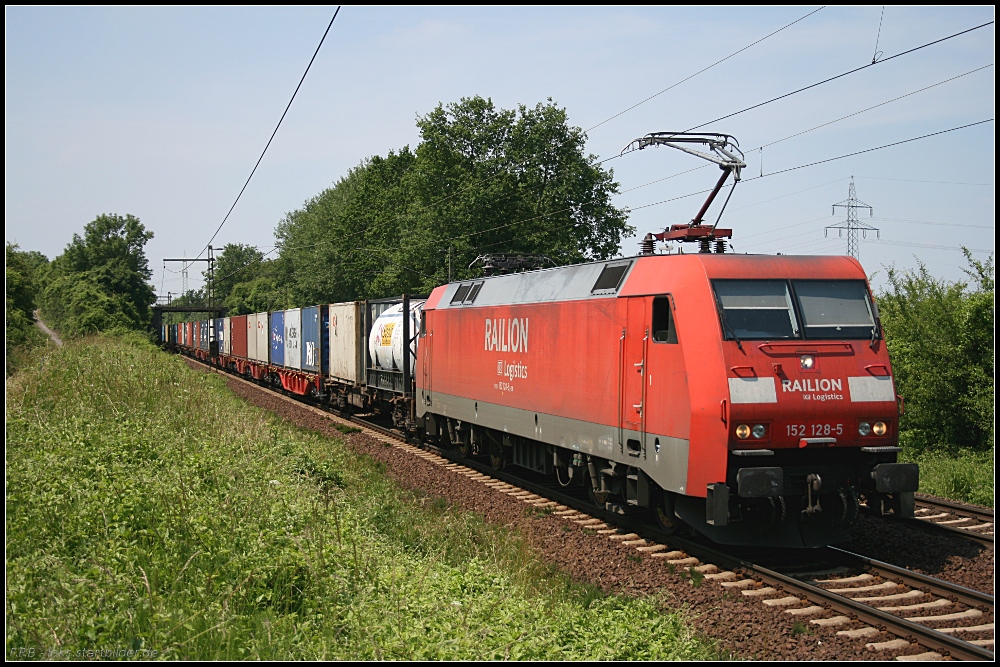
[[705, 69], [869, 150], [575, 135], [812, 129], [812, 164], [875, 106], [551, 213], [273, 134], [840, 76], [827, 80]]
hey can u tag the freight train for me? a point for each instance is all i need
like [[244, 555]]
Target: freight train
[[749, 398]]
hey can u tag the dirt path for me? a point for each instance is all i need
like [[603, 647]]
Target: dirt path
[[48, 332]]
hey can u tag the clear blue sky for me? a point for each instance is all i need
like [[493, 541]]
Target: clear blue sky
[[162, 113]]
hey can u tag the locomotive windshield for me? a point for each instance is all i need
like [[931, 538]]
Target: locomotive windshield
[[834, 308], [772, 309], [756, 309]]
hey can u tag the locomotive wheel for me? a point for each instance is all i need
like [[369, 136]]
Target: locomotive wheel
[[599, 498], [665, 516], [497, 460], [464, 444]]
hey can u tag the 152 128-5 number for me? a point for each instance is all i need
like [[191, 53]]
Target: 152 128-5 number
[[816, 429]]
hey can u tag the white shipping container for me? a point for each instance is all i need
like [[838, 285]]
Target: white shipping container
[[227, 335], [293, 338], [263, 339], [347, 352], [251, 336]]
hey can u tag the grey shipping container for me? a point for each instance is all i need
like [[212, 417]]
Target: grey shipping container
[[347, 341]]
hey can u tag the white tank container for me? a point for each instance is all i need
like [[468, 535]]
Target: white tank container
[[293, 338], [385, 342]]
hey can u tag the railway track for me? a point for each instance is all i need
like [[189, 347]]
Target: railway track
[[863, 598], [969, 521]]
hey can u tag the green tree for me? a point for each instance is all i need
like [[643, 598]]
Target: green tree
[[237, 263], [940, 336], [24, 275], [101, 279], [261, 294], [481, 180]]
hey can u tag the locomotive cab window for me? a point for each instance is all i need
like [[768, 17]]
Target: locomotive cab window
[[756, 309], [663, 321], [835, 309]]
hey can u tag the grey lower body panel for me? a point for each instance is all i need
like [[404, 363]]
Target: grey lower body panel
[[663, 458]]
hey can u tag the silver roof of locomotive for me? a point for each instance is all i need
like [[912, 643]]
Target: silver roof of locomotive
[[564, 283]]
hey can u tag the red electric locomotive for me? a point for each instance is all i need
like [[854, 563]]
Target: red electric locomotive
[[750, 397]]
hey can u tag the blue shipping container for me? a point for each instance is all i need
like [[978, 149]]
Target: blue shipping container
[[278, 338], [310, 337], [203, 339]]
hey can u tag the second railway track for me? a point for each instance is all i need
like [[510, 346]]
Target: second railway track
[[969, 521]]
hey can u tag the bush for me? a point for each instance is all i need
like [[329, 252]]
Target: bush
[[940, 338]]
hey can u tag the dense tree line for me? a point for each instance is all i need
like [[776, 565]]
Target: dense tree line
[[940, 337]]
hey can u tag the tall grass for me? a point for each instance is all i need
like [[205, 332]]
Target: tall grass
[[147, 507], [959, 474]]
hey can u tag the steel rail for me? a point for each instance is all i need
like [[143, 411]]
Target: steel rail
[[982, 514], [962, 509], [932, 527], [945, 589], [946, 644]]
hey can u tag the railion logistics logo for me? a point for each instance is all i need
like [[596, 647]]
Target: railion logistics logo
[[507, 335]]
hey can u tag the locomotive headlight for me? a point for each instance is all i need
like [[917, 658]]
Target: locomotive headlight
[[759, 431], [864, 428], [879, 428], [742, 431], [807, 361]]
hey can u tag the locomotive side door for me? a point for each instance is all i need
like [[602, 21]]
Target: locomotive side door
[[425, 346], [633, 374]]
